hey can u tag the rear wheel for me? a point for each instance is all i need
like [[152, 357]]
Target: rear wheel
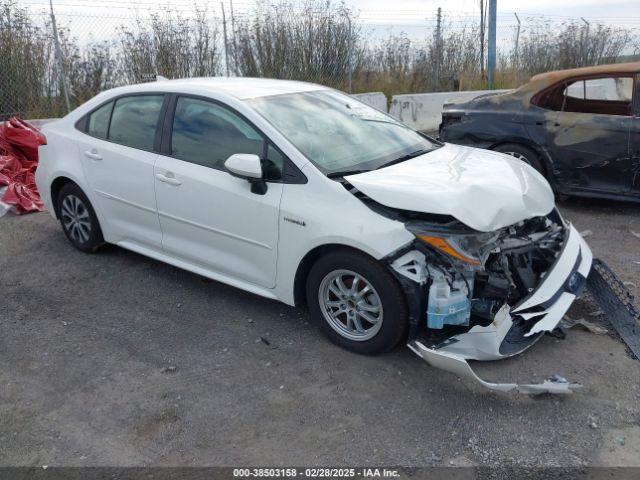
[[78, 219], [357, 302], [523, 153]]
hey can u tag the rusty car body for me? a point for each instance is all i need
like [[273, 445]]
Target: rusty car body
[[580, 128]]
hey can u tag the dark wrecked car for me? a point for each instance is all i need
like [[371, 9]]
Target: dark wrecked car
[[580, 128]]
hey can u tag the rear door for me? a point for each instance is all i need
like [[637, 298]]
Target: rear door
[[118, 156], [209, 217], [588, 137]]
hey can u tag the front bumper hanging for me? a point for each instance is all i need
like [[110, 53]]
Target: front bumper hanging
[[459, 366], [541, 311]]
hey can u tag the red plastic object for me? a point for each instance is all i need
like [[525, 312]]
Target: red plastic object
[[19, 142]]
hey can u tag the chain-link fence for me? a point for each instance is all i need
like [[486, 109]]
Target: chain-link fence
[[50, 63]]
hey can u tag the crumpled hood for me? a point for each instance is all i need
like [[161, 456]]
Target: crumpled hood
[[485, 190]]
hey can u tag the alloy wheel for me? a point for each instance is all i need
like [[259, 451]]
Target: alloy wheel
[[76, 219], [350, 305]]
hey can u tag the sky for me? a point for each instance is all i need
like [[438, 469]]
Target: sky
[[590, 9]]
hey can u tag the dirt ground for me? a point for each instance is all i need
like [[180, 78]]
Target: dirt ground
[[115, 359]]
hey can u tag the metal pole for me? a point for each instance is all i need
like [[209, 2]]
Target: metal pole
[[491, 50], [56, 41], [515, 51], [349, 54], [226, 45], [436, 70]]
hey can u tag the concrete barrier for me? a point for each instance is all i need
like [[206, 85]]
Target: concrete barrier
[[423, 111], [377, 100]]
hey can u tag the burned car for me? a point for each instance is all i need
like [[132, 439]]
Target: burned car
[[579, 128]]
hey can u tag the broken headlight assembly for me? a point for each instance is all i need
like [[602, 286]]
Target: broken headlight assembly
[[469, 247], [453, 255]]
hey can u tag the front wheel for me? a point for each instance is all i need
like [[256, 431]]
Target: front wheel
[[357, 302]]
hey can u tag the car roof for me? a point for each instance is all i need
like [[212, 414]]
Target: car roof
[[613, 68], [543, 80], [239, 87]]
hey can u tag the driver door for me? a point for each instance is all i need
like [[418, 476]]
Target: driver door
[[208, 217]]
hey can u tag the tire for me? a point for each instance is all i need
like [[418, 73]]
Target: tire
[[522, 153], [78, 219], [376, 296]]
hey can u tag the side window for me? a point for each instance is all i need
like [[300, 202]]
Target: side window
[[618, 89], [98, 122], [207, 134], [134, 120], [604, 96]]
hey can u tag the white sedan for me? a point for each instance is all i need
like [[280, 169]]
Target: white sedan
[[302, 194]]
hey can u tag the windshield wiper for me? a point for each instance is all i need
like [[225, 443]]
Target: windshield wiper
[[408, 156], [344, 173]]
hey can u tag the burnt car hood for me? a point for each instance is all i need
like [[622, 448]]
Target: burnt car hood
[[485, 190]]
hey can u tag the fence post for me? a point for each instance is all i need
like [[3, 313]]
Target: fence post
[[436, 68], [515, 51], [585, 44], [56, 42], [349, 54], [491, 50], [233, 40], [226, 45]]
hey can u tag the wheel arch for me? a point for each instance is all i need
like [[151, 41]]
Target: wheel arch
[[55, 188], [307, 262], [62, 178], [530, 145]]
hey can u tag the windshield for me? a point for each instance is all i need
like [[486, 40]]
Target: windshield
[[338, 133]]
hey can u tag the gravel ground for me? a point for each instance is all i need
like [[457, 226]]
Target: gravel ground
[[116, 359]]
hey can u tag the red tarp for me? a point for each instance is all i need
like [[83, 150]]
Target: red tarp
[[19, 141]]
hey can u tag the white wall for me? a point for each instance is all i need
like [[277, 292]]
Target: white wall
[[376, 100], [423, 111]]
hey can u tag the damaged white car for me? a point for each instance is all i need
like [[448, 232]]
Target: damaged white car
[[303, 194]]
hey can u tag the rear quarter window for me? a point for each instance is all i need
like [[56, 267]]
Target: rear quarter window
[[98, 121]]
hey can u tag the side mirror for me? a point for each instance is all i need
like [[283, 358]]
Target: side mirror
[[249, 167]]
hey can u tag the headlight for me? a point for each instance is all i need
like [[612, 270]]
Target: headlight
[[470, 248]]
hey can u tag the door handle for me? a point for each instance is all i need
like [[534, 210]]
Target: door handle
[[168, 178], [92, 154]]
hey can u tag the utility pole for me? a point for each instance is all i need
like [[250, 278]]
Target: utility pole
[[233, 40], [226, 45], [56, 41], [482, 39], [436, 70], [491, 50], [515, 51]]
